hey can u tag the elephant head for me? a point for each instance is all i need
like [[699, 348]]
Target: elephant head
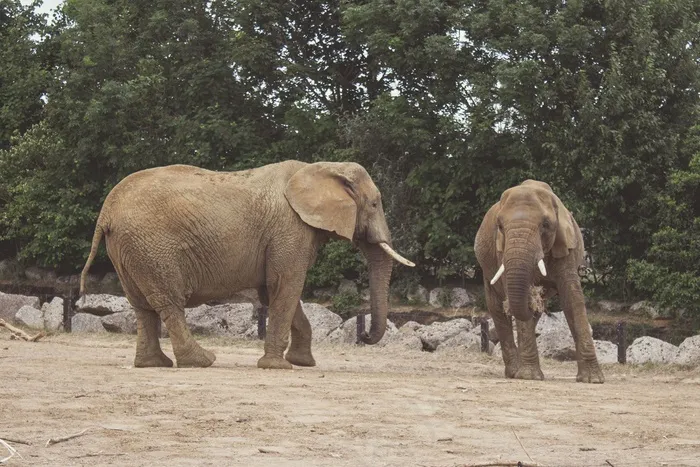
[[342, 198], [532, 225]]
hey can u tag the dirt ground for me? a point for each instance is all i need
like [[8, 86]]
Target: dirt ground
[[359, 406]]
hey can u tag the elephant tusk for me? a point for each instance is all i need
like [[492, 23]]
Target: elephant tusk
[[498, 275], [390, 251], [543, 270]]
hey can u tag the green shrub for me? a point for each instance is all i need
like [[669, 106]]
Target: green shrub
[[345, 302]]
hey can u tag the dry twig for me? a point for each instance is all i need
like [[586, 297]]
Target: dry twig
[[13, 452], [19, 334], [16, 441], [65, 438], [521, 445], [500, 464]]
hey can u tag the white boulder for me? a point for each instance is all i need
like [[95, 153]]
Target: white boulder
[[86, 322], [102, 304], [689, 351], [229, 319], [53, 314], [30, 316], [321, 319], [647, 349], [11, 303], [123, 322]]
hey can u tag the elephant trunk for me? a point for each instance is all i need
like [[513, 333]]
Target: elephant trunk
[[521, 256], [380, 266]]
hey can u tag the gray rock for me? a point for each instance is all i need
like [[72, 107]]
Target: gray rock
[[347, 332], [72, 280], [30, 316], [322, 320], [10, 304], [648, 349], [418, 295], [688, 352], [605, 351], [53, 314], [110, 284], [609, 306], [554, 322], [325, 293], [123, 322], [461, 298], [9, 269], [437, 333], [86, 322], [404, 339], [36, 274], [102, 304], [365, 295], [230, 319], [347, 286], [412, 325], [557, 344], [466, 340], [455, 298], [645, 309]]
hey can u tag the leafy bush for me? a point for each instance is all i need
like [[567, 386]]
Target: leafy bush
[[336, 260], [345, 302]]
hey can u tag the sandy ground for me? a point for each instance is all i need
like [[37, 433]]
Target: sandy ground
[[359, 406]]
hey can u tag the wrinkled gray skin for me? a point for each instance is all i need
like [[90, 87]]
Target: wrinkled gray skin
[[180, 236], [529, 224]]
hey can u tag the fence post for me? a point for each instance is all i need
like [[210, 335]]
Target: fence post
[[67, 311], [262, 318], [360, 327], [484, 335], [621, 343]]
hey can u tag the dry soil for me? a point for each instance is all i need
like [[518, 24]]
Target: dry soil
[[359, 406]]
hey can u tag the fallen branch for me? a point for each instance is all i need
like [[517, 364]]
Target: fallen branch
[[16, 441], [13, 452], [501, 464], [65, 438], [19, 334], [521, 445]]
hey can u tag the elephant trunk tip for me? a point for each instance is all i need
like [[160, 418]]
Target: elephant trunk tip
[[372, 339]]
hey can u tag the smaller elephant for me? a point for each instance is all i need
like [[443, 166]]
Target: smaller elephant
[[529, 239]]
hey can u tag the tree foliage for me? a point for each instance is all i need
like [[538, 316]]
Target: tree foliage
[[446, 103]]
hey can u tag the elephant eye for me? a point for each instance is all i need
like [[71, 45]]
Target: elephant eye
[[375, 204], [546, 224]]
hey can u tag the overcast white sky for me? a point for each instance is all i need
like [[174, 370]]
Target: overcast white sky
[[47, 7]]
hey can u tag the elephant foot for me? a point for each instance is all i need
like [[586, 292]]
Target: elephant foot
[[153, 360], [197, 357], [531, 372], [511, 370], [300, 358], [274, 363], [590, 372]]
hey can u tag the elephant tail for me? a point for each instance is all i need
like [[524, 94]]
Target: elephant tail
[[96, 239]]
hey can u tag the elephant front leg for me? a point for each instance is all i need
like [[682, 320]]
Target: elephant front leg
[[299, 352], [504, 329], [574, 305], [284, 292], [148, 351], [527, 347]]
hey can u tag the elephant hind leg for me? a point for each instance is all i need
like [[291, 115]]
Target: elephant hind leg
[[148, 351], [188, 353], [299, 352]]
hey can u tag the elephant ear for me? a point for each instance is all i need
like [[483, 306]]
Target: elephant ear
[[320, 194], [566, 234]]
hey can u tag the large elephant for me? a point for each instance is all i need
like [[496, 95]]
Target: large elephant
[[179, 236], [530, 238]]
